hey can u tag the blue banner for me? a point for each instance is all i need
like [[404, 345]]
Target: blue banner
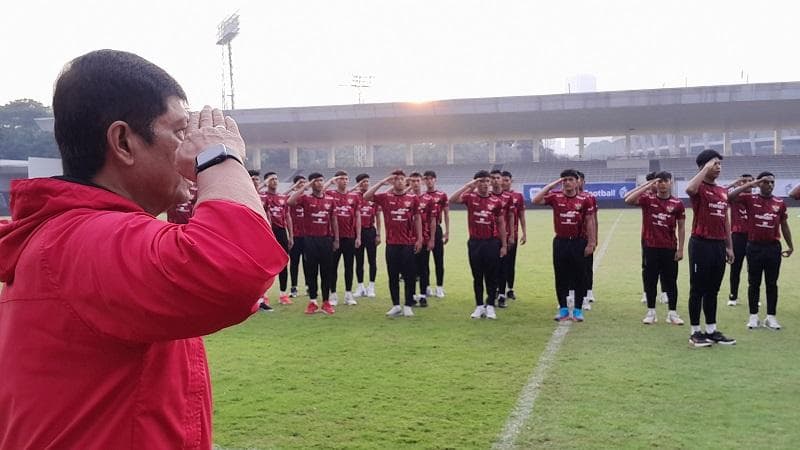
[[603, 191]]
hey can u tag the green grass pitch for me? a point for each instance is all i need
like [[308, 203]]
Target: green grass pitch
[[440, 380]]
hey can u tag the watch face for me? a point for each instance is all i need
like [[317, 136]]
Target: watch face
[[210, 156]]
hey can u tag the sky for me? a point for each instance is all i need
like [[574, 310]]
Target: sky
[[303, 52]]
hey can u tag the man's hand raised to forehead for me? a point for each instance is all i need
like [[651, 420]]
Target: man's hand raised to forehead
[[206, 128]]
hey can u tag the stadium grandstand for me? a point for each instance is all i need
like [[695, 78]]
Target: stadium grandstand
[[621, 136]]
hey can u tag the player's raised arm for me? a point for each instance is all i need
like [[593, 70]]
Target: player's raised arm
[[538, 199]]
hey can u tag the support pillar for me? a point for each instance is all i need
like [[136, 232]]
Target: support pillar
[[705, 141], [409, 155], [370, 157], [451, 154], [673, 145], [727, 148], [293, 153], [493, 152], [581, 147], [332, 158], [255, 159], [687, 143], [628, 145], [536, 149], [778, 146], [752, 143]]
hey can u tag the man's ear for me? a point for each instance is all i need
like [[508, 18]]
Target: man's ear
[[119, 139]]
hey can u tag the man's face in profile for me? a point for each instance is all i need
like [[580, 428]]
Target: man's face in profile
[[155, 174]]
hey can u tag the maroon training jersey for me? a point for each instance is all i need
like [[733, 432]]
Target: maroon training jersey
[[516, 207], [298, 218], [368, 211], [398, 216], [710, 206], [180, 213], [569, 213], [505, 201], [765, 215], [440, 203], [739, 215], [659, 220], [592, 210], [347, 206], [482, 214], [277, 208], [317, 213], [426, 214]]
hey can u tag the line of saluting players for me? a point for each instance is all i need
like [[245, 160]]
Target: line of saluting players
[[321, 226], [753, 232], [324, 226]]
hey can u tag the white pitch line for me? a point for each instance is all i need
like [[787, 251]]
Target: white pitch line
[[530, 392]]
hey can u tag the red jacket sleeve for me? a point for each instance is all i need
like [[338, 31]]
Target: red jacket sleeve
[[140, 279]]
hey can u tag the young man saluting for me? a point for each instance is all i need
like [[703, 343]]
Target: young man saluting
[[767, 218], [487, 240], [661, 214], [321, 239], [709, 248], [570, 249], [403, 223]]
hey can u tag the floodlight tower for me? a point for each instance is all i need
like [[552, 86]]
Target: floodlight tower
[[360, 82], [226, 31]]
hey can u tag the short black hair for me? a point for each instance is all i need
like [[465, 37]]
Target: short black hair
[[496, 172], [429, 174], [569, 173], [398, 172], [254, 173], [663, 175], [765, 173], [580, 175], [507, 174], [267, 175], [707, 155], [481, 174], [95, 90], [340, 173], [362, 176], [414, 175], [298, 178], [650, 176], [314, 175], [746, 175]]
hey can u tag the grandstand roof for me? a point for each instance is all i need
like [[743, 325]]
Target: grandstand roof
[[657, 111], [675, 110]]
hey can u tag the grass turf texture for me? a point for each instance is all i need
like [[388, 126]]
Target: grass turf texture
[[440, 380]]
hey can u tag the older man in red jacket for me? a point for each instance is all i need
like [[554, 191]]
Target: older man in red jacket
[[89, 358]]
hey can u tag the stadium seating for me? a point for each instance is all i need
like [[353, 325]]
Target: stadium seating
[[453, 176]]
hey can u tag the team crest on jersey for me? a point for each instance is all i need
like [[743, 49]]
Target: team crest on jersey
[[349, 201], [407, 204], [578, 207], [327, 205], [670, 209], [776, 208]]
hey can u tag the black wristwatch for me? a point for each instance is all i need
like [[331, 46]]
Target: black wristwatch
[[214, 155]]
